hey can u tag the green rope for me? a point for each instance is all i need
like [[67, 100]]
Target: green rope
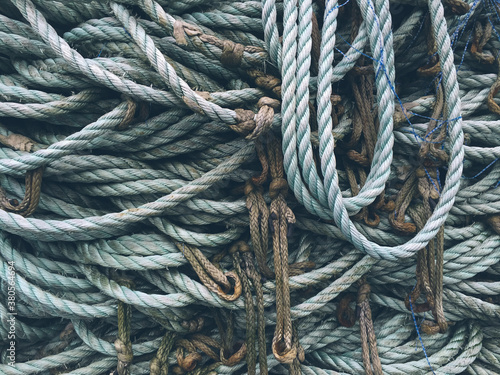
[[148, 120]]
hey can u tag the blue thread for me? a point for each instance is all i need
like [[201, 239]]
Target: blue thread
[[457, 34], [495, 9], [431, 180], [480, 173], [104, 45], [419, 327], [336, 7], [424, 140], [418, 332], [461, 26], [342, 53], [381, 67], [489, 4], [438, 179], [128, 33]]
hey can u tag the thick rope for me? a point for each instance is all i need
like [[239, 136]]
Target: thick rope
[[168, 134]]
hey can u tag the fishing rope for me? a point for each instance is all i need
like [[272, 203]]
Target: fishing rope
[[259, 187]]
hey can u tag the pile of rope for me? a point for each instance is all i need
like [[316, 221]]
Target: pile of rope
[[275, 187]]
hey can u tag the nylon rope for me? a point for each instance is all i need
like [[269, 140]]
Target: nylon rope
[[261, 187]]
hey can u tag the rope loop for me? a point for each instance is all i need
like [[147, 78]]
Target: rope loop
[[236, 288], [33, 184]]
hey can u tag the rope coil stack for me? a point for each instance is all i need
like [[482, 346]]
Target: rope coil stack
[[251, 187]]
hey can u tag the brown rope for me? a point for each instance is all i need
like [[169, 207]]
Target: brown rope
[[371, 358], [433, 66], [361, 146], [492, 106], [264, 118], [266, 81], [210, 347], [481, 36], [345, 315], [494, 222], [315, 44], [458, 7], [281, 217], [252, 125], [33, 185], [193, 325], [159, 364], [122, 343], [228, 356], [430, 151], [261, 154], [205, 370], [259, 224], [186, 362], [17, 142], [299, 268], [136, 112], [213, 278], [232, 53], [250, 318], [403, 200], [294, 368], [259, 297], [429, 274]]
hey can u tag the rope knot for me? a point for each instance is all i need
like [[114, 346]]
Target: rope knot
[[254, 125], [232, 53], [278, 186], [124, 355], [266, 81], [237, 288], [264, 118], [193, 325], [250, 188], [246, 121], [189, 362], [283, 353], [363, 293]]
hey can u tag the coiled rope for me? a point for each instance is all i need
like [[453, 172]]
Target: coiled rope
[[252, 187]]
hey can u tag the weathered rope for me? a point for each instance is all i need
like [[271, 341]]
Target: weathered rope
[[252, 166]]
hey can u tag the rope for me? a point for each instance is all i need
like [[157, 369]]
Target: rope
[[292, 186], [123, 345]]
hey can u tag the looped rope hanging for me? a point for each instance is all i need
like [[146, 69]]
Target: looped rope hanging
[[285, 349], [123, 344], [33, 183], [159, 364], [129, 105], [215, 280]]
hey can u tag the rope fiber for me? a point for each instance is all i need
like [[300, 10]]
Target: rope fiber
[[249, 187]]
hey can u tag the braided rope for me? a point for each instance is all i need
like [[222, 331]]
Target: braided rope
[[148, 120]]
